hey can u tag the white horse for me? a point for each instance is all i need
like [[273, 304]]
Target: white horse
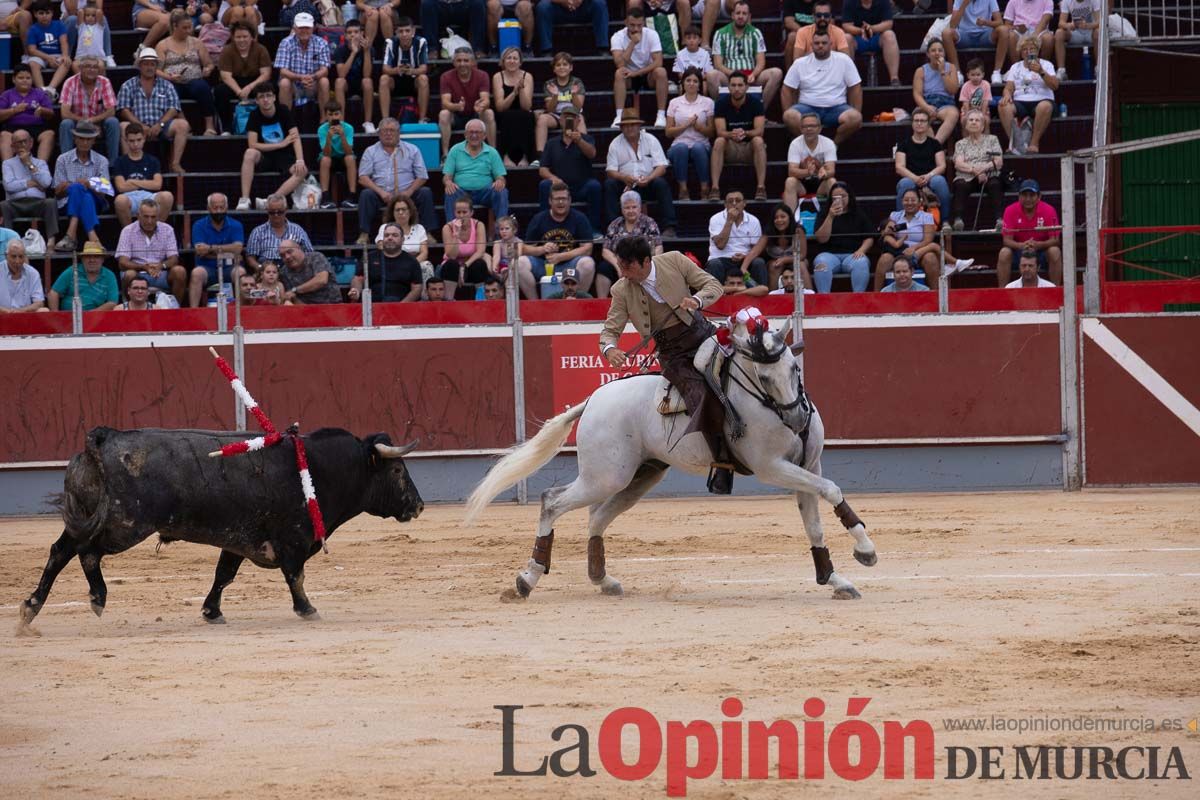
[[625, 446]]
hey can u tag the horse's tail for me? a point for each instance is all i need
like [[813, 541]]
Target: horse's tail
[[523, 461]]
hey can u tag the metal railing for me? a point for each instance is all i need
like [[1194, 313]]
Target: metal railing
[[1172, 21]]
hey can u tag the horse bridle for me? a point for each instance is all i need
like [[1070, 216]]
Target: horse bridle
[[760, 355]]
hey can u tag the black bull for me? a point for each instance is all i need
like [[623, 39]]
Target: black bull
[[128, 484]]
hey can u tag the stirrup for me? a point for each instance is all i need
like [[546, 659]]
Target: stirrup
[[720, 478]]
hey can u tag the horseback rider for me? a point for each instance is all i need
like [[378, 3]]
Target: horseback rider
[[662, 297]]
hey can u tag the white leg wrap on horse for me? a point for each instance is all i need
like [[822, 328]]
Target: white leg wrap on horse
[[532, 572], [611, 586]]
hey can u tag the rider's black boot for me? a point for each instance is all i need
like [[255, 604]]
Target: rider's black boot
[[720, 476]]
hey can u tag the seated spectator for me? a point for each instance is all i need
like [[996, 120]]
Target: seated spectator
[[353, 67], [214, 236], [921, 162], [908, 238], [435, 289], [272, 144], [708, 21], [636, 161], [303, 61], [244, 12], [739, 123], [693, 56], [307, 278], [570, 286], [97, 286], [632, 222], [555, 240], [521, 11], [796, 13], [374, 18], [137, 176], [812, 162], [564, 91], [637, 53], [46, 47], [394, 275], [24, 107], [77, 197], [682, 11], [976, 24], [1028, 19], [552, 13], [405, 70], [493, 288], [976, 93], [473, 169], [783, 241], [507, 247], [827, 84], [471, 15], [738, 283], [869, 23], [465, 239], [902, 279], [1078, 25], [88, 32], [389, 169], [185, 62], [89, 96], [1030, 279], [264, 242], [787, 283], [15, 17], [1031, 224], [512, 92], [690, 125], [935, 87], [269, 282], [153, 101], [22, 291], [1028, 92], [466, 96], [243, 66], [568, 159], [27, 181], [152, 17], [848, 234], [735, 239], [403, 213], [148, 248], [977, 164], [822, 23], [740, 47], [335, 138], [137, 296]]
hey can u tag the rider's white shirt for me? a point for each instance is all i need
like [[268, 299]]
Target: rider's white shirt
[[651, 285]]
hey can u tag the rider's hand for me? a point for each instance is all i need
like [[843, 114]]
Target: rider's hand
[[689, 303], [616, 357]]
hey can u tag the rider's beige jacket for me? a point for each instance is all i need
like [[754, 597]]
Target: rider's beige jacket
[[675, 277]]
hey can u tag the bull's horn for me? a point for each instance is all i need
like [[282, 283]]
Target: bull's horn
[[390, 451]]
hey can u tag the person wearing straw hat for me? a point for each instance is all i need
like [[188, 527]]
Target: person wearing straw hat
[[636, 161], [98, 289]]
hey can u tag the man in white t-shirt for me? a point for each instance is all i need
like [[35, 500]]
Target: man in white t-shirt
[[735, 239], [1029, 273], [1078, 24], [637, 52], [827, 84], [812, 162]]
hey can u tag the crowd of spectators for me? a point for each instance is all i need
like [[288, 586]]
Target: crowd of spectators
[[62, 101]]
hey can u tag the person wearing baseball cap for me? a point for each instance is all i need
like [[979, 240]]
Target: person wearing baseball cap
[[570, 286], [153, 101], [1031, 223], [98, 289], [303, 61]]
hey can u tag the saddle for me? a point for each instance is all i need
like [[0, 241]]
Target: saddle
[[709, 360]]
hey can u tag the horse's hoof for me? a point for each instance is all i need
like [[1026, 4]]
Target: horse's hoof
[[217, 620], [28, 613], [24, 630], [866, 559], [309, 616], [611, 586], [846, 593], [511, 596], [523, 587], [97, 608]]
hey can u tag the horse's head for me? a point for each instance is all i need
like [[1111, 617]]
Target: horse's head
[[773, 364]]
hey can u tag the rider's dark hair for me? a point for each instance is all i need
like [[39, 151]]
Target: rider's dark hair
[[633, 248]]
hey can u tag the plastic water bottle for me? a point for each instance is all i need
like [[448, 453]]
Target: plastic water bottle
[[1087, 64], [1062, 110], [479, 291], [349, 11], [872, 80]]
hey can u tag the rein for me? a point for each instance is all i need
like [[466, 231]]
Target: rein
[[764, 397]]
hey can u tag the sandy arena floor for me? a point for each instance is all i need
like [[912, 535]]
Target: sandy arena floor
[[1017, 605]]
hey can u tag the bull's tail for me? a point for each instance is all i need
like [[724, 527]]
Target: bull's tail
[[523, 461], [84, 503]]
